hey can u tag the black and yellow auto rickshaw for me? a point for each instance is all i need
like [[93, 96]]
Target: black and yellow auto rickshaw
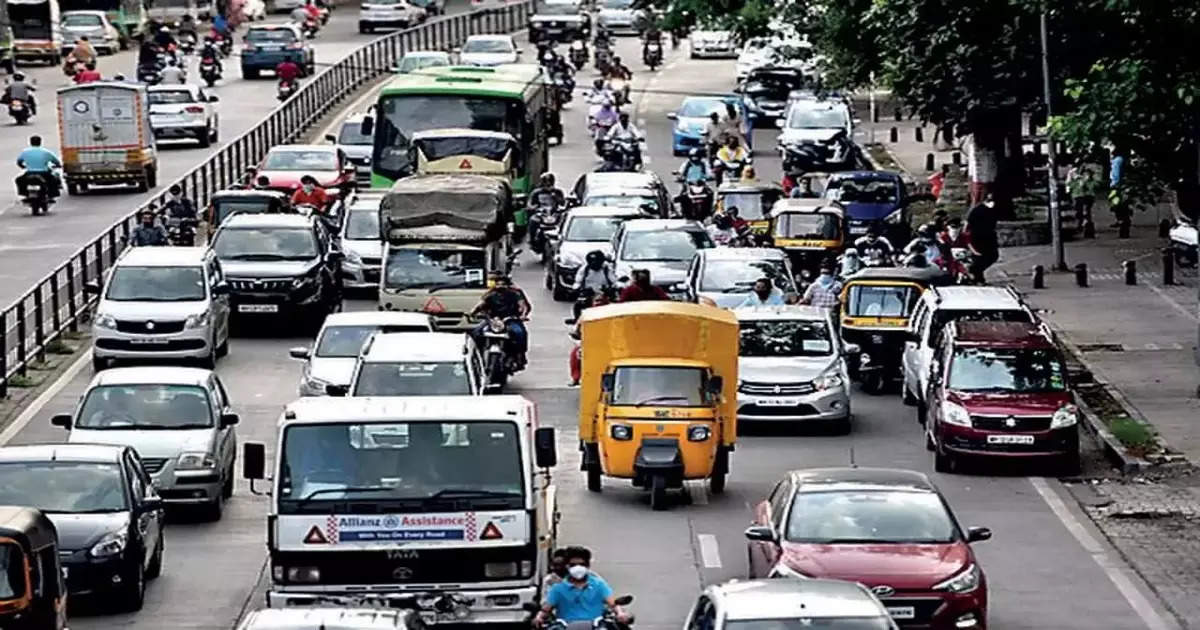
[[225, 203], [753, 201], [875, 306], [33, 590], [808, 231]]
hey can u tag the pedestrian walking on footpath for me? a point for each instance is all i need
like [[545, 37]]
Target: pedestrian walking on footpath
[[1117, 198], [1083, 182], [983, 239]]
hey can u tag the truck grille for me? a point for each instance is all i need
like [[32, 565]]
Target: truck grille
[[777, 389], [1018, 423], [149, 327]]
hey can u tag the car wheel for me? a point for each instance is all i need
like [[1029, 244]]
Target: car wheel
[[216, 131], [99, 363], [227, 486], [249, 73], [215, 509], [204, 137], [223, 349], [594, 483], [1069, 465], [943, 462], [155, 568], [658, 493], [133, 595], [561, 294]]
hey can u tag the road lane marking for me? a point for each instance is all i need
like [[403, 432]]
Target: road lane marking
[[1112, 568], [710, 553], [46, 396]]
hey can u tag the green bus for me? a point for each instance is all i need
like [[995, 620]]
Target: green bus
[[512, 99]]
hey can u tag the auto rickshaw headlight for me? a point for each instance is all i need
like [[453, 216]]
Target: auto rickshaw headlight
[[621, 432], [698, 433]]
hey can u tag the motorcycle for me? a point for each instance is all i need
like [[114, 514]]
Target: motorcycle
[[72, 66], [587, 298], [607, 621], [620, 91], [960, 269], [225, 45], [37, 194], [182, 232], [286, 90], [150, 74], [565, 85], [19, 110], [652, 55], [209, 71], [599, 130], [187, 43], [578, 54], [544, 219], [732, 168], [620, 155], [603, 60], [310, 28], [700, 196], [499, 363]]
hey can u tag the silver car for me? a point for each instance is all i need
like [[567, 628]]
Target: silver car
[[162, 303], [332, 358], [792, 366], [725, 276], [584, 230], [95, 26], [180, 422], [356, 145], [788, 603], [619, 16], [362, 242], [664, 247]]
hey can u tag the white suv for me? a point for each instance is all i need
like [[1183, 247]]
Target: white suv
[[161, 303], [334, 354], [940, 306], [182, 112]]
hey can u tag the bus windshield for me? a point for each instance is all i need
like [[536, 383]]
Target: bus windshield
[[404, 114]]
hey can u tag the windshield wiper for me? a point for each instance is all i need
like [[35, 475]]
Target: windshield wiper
[[659, 399], [344, 490], [470, 493], [258, 257], [438, 287]]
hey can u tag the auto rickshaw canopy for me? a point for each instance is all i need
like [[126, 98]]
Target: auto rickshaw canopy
[[224, 203], [808, 223], [658, 333], [28, 527], [882, 298], [754, 200]]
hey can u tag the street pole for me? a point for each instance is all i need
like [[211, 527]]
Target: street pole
[[1056, 241], [871, 113]]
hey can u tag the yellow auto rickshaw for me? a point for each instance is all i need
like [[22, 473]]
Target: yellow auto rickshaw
[[753, 201], [808, 230], [658, 394], [33, 591]]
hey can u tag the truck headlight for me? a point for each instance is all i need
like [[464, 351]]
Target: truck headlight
[[1066, 416], [500, 569], [953, 413], [965, 582], [698, 433], [104, 320], [303, 575], [198, 320], [195, 461], [111, 545]]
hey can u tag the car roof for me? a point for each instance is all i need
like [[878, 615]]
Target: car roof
[[415, 346], [502, 38], [622, 180], [323, 409], [76, 452], [790, 599], [163, 257], [784, 312], [84, 12], [377, 318], [960, 298], [280, 220], [325, 618], [273, 26], [428, 53], [741, 253], [1002, 334], [246, 192], [603, 211], [652, 225], [304, 147], [847, 478], [157, 375], [191, 88], [818, 104]]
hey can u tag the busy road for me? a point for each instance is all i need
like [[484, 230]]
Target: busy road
[[1046, 567]]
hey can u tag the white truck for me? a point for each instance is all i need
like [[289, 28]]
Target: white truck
[[443, 504], [105, 135]]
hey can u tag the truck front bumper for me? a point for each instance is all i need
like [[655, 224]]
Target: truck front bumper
[[488, 605]]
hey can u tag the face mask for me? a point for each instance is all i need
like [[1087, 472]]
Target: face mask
[[577, 572], [308, 188], [954, 232]]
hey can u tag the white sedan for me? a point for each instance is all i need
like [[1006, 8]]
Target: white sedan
[[489, 50], [183, 111]]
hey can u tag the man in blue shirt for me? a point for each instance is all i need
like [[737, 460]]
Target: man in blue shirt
[[582, 596], [37, 162], [764, 295]]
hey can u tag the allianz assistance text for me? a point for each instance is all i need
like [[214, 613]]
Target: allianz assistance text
[[402, 497]]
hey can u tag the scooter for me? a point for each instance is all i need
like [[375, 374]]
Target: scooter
[[732, 168], [544, 219], [652, 56], [286, 90], [187, 43], [620, 91], [209, 71], [700, 197], [19, 110], [578, 53], [620, 155], [37, 194]]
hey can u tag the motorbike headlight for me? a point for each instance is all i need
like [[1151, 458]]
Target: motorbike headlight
[[195, 461], [965, 582], [104, 320], [698, 433], [956, 414], [828, 380], [1066, 416], [783, 570], [496, 326], [111, 545], [198, 320]]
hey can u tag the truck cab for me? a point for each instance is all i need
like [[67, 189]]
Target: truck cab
[[449, 506]]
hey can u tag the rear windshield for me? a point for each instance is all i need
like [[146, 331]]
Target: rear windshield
[[270, 36], [942, 317], [169, 97], [81, 20], [413, 379], [865, 300], [818, 227]]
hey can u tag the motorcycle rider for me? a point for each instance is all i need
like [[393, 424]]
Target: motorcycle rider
[[714, 133], [19, 90], [874, 249], [599, 93], [37, 162], [220, 27], [925, 243], [734, 123], [596, 276], [652, 36], [509, 303], [694, 168], [730, 157], [210, 51], [721, 229], [148, 233], [625, 130], [309, 194], [618, 70], [177, 205], [804, 190], [148, 54], [173, 73], [83, 51], [583, 596], [165, 40], [546, 194], [287, 71], [89, 74], [602, 39], [642, 289]]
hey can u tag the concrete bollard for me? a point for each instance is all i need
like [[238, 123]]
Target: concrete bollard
[[1168, 266], [875, 115], [1081, 275], [899, 115], [919, 134], [1039, 277], [929, 162], [1123, 229], [1130, 267], [893, 135], [956, 158], [1164, 228], [1089, 228]]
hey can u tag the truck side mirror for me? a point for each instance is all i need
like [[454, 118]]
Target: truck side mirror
[[715, 384], [606, 383], [367, 127], [545, 447], [254, 460]]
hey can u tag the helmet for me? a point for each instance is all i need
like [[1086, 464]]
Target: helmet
[[164, 30], [599, 83], [595, 258], [696, 154], [19, 76], [616, 59], [925, 231], [547, 179]]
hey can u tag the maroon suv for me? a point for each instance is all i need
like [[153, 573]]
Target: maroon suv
[[1000, 389]]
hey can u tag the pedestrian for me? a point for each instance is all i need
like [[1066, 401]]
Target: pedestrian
[[1082, 183], [1117, 198], [937, 181], [983, 240]]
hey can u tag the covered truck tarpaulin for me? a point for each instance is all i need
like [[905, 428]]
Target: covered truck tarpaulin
[[466, 202]]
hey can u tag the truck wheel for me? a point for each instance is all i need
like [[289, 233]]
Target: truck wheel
[[872, 382], [152, 177], [593, 477], [658, 493]]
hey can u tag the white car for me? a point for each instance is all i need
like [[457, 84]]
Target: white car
[[362, 242], [356, 145], [418, 364], [184, 111], [753, 56], [388, 14], [417, 59], [618, 16], [95, 26], [332, 357], [712, 44], [489, 50]]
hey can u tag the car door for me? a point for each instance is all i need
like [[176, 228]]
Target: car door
[[928, 338], [910, 357], [220, 303], [148, 524], [693, 279], [764, 554], [932, 396], [703, 615], [226, 436]]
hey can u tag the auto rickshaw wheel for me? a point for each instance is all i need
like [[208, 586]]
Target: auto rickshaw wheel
[[872, 382], [716, 483], [658, 493], [593, 477]]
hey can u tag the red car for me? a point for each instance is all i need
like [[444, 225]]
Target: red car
[[1000, 389], [286, 164], [888, 529]]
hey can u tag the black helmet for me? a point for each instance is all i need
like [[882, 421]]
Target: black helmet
[[925, 231], [547, 179], [18, 76], [595, 258], [696, 154]]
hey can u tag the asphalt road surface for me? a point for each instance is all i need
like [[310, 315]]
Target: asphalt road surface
[[1047, 568]]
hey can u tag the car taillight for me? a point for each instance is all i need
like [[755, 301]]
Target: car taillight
[[194, 109]]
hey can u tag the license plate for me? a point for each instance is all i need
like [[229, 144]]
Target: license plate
[[258, 308], [902, 612], [34, 188], [147, 342], [778, 402], [1010, 439], [858, 230]]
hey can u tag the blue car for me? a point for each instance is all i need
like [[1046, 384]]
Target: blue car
[[267, 45], [873, 197], [692, 116]]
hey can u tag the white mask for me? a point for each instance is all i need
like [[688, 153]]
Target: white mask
[[308, 188], [954, 232], [577, 572]]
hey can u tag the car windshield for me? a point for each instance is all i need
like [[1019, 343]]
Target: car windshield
[[664, 245], [816, 118], [63, 486], [659, 387], [363, 225], [156, 284], [556, 8], [749, 204], [412, 62], [81, 20], [616, 4], [487, 46], [863, 191], [346, 341], [169, 97], [1024, 370], [270, 36], [784, 338], [434, 269], [816, 226], [300, 161], [265, 244], [399, 461], [12, 571], [811, 623], [352, 135], [592, 229], [701, 108], [125, 407], [875, 300], [413, 378], [649, 201], [869, 517], [738, 276]]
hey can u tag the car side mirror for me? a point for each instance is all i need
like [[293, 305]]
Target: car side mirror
[[214, 99], [221, 288], [230, 419], [672, 116], [606, 383], [779, 123], [254, 460], [761, 533], [62, 420], [336, 390], [715, 384], [978, 534], [545, 447], [367, 126], [331, 138], [150, 504], [300, 352], [91, 287]]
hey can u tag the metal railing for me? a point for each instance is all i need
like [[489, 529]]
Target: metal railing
[[57, 304]]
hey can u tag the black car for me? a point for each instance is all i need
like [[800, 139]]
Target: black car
[[559, 21], [102, 502], [280, 266], [766, 91]]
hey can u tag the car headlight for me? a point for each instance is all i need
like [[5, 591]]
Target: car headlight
[[312, 386], [569, 259], [354, 258], [783, 570], [198, 320], [953, 413], [828, 380], [965, 582], [104, 320], [111, 545], [303, 281], [195, 461], [1066, 416]]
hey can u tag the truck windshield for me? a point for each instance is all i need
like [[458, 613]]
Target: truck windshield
[[405, 114], [434, 268], [1006, 370], [398, 461], [413, 378], [12, 572], [488, 148], [660, 387]]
